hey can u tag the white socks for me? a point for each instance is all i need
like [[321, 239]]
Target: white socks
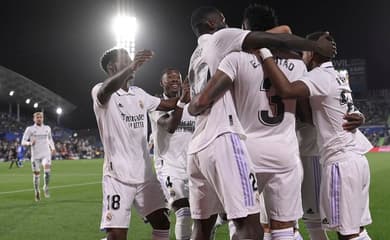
[[283, 234], [158, 234], [183, 227], [36, 182]]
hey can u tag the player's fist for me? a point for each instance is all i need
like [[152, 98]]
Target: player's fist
[[140, 58]]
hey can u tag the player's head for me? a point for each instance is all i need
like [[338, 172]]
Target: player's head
[[171, 81], [259, 17], [313, 59], [114, 60], [207, 20], [38, 118]]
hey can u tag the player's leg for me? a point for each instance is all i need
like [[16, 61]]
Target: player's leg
[[344, 196], [282, 195], [240, 197], [46, 162], [183, 227], [116, 212], [150, 203], [310, 197], [35, 166], [203, 228]]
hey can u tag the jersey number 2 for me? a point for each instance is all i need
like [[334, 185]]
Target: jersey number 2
[[274, 101]]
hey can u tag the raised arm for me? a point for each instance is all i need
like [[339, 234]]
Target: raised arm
[[113, 83], [283, 87], [257, 40], [171, 121], [215, 88]]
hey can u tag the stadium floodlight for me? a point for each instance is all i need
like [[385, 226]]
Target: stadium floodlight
[[35, 105], [59, 111], [125, 29], [11, 93], [28, 100]]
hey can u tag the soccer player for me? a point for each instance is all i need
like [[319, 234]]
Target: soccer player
[[344, 204], [217, 145], [39, 138], [172, 132], [128, 178]]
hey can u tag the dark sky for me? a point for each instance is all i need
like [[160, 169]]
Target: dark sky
[[58, 43]]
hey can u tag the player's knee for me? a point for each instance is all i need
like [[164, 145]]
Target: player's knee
[[248, 227], [159, 219], [116, 234], [36, 173]]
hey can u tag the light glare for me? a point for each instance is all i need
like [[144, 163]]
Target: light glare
[[35, 105], [28, 100], [59, 110], [11, 93]]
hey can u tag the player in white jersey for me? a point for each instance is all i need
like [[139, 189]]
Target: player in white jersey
[[218, 128], [39, 138], [344, 205], [171, 132], [128, 177]]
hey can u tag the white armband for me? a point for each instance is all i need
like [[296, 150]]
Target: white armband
[[180, 104], [265, 53]]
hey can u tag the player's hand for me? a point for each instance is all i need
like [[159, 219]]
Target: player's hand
[[326, 46], [185, 92], [354, 120], [140, 58], [53, 152]]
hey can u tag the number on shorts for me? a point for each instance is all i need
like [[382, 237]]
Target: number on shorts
[[252, 178], [276, 101], [168, 182], [115, 202]]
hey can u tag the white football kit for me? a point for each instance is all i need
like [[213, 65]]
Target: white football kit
[[170, 154], [344, 204], [219, 171], [269, 124], [128, 176], [43, 144]]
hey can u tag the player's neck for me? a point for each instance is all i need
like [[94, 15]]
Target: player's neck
[[170, 95]]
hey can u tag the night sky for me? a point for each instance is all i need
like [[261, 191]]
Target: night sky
[[58, 43]]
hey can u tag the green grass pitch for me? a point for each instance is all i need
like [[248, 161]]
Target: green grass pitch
[[73, 211]]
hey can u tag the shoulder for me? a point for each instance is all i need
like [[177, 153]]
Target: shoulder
[[96, 88]]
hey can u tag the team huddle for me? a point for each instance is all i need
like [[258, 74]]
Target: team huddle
[[261, 133]]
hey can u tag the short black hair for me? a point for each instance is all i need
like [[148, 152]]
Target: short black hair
[[200, 16], [260, 17], [109, 56], [169, 69]]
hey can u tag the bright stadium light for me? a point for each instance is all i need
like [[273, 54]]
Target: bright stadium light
[[59, 111], [28, 100], [125, 29], [11, 93], [35, 105]]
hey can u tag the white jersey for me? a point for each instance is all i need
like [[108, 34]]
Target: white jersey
[[267, 119], [222, 117], [122, 124], [330, 100], [43, 141], [170, 149]]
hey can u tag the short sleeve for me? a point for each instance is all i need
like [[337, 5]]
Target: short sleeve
[[229, 65], [156, 115], [317, 85], [230, 39], [151, 102], [94, 93]]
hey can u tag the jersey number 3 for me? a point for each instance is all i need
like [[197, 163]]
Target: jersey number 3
[[275, 103]]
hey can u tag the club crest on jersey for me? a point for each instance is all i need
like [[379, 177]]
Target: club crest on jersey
[[141, 104], [109, 216], [254, 63], [120, 105]]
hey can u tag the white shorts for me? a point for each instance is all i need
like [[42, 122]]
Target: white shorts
[[311, 187], [282, 194], [344, 201], [174, 188], [220, 180], [119, 197], [38, 162]]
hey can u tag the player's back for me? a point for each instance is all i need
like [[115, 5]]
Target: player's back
[[267, 119], [222, 116]]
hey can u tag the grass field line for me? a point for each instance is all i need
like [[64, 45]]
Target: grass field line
[[54, 187]]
